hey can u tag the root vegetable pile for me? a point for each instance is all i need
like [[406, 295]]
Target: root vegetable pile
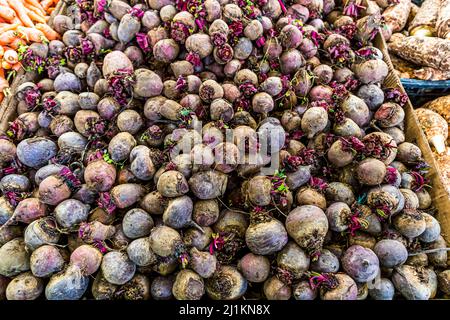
[[220, 149], [419, 37]]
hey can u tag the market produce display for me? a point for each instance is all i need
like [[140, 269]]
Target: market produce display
[[418, 36], [434, 117], [219, 150], [22, 22]]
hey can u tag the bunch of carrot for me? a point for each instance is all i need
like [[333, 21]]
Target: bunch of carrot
[[22, 22]]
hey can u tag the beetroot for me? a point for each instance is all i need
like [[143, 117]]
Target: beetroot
[[303, 291], [172, 184], [100, 175], [310, 196], [178, 213], [338, 155], [371, 172], [342, 287], [407, 152], [326, 263], [35, 152], [254, 268], [67, 285], [87, 258], [338, 215], [27, 210], [24, 287], [413, 283], [214, 149], [41, 232], [389, 115], [45, 261], [137, 223], [372, 95], [164, 240], [391, 253], [71, 212], [307, 225], [115, 61], [161, 288], [208, 184], [314, 121], [127, 194], [188, 286], [117, 267], [371, 71], [266, 237], [206, 212], [410, 223], [432, 230], [202, 262], [140, 252], [292, 262], [275, 289], [234, 284], [360, 263], [54, 190], [382, 290], [356, 109], [14, 258]]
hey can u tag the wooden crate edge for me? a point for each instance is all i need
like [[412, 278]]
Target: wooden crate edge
[[414, 133]]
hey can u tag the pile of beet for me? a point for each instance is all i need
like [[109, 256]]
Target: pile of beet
[[105, 174]]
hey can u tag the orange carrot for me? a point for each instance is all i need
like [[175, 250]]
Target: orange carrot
[[17, 21], [5, 48], [2, 51], [6, 65], [34, 16], [46, 4], [17, 66], [7, 13], [21, 13], [48, 31], [35, 4], [7, 37], [8, 27], [1, 96], [31, 34], [50, 11], [11, 56], [16, 43], [14, 20], [35, 10]]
